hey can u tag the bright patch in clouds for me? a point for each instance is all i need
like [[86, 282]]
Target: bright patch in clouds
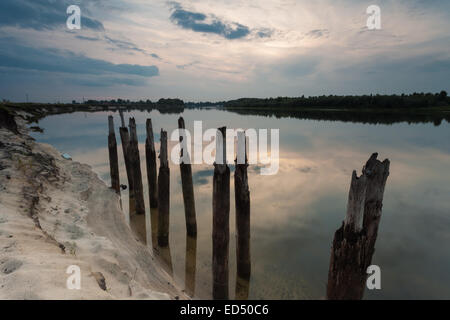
[[217, 49]]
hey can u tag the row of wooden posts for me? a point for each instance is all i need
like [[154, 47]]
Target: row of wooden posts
[[159, 197], [353, 245]]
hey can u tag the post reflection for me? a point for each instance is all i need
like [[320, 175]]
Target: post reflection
[[163, 253], [190, 265], [242, 288]]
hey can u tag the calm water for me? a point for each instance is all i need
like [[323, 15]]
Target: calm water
[[295, 213]]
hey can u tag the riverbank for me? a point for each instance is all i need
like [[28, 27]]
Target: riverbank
[[55, 213]]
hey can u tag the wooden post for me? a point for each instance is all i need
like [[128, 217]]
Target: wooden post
[[113, 158], [125, 138], [242, 200], [353, 244], [377, 173], [187, 184], [150, 155], [190, 265], [163, 193], [122, 120], [221, 223], [137, 221]]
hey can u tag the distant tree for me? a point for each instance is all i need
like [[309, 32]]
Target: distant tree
[[443, 95]]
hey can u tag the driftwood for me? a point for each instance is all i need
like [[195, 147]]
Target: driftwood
[[163, 193], [150, 155], [221, 223], [137, 219], [353, 244], [187, 184], [113, 158], [242, 201]]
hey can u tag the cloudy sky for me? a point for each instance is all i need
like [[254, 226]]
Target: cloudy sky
[[201, 50]]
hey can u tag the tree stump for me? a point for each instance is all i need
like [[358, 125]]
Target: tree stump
[[353, 244]]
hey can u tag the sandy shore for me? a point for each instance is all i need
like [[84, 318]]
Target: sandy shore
[[55, 213]]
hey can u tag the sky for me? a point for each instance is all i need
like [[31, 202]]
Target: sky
[[214, 50]]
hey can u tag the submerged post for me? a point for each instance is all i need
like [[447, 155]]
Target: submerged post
[[353, 244], [163, 193], [150, 155], [113, 158], [186, 182], [221, 216], [137, 221], [242, 201]]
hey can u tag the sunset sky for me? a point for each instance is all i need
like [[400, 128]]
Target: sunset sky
[[216, 50]]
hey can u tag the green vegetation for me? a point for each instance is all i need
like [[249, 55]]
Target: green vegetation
[[368, 102], [386, 109]]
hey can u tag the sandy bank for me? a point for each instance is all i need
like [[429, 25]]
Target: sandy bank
[[55, 213]]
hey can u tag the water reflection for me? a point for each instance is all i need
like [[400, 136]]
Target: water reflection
[[242, 288], [190, 265], [296, 212], [163, 253]]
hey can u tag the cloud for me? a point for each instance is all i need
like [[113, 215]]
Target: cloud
[[128, 46], [87, 38], [318, 33], [200, 22], [17, 56], [154, 55], [105, 81], [264, 33], [187, 65], [201, 177], [42, 14]]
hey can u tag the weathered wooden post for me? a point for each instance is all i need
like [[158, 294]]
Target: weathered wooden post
[[113, 158], [137, 221], [221, 216], [163, 193], [353, 244], [150, 155], [190, 265], [125, 138], [186, 182], [377, 173], [242, 201]]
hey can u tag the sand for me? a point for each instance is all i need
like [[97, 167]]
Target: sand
[[55, 213]]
